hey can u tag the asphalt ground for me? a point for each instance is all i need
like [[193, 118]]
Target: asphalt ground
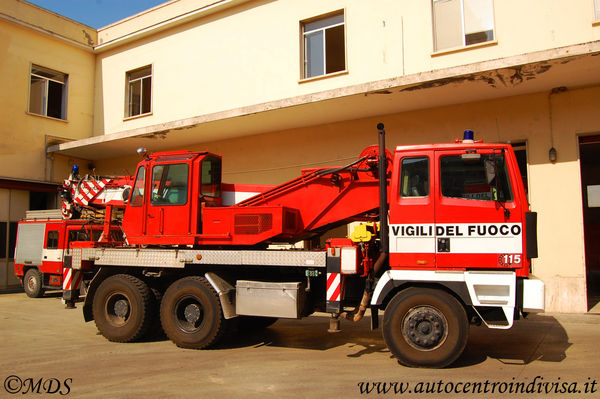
[[49, 351]]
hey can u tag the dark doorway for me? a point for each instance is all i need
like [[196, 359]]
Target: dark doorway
[[42, 200], [589, 156]]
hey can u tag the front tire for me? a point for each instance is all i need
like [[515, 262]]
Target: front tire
[[425, 327], [122, 308], [33, 283], [191, 315]]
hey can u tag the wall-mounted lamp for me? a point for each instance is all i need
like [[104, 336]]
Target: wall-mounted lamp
[[552, 155]]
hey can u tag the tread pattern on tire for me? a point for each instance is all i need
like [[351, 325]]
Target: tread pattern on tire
[[147, 302], [412, 357], [172, 331], [39, 291]]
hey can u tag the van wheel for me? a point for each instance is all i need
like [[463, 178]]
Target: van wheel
[[33, 283], [425, 327], [191, 315], [122, 308]]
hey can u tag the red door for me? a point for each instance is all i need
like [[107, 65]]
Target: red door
[[134, 222], [478, 220], [168, 212], [52, 253], [412, 229]]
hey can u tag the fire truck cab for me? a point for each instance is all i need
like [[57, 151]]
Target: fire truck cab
[[458, 207], [168, 195]]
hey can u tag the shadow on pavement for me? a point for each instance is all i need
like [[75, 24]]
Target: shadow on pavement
[[540, 338], [311, 333]]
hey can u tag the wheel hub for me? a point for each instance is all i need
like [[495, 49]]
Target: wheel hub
[[118, 309], [192, 313], [425, 328], [189, 314], [121, 308]]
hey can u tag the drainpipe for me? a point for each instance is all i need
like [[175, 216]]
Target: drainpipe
[[383, 202]]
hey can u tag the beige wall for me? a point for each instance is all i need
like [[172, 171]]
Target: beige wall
[[167, 11], [223, 60], [30, 35], [22, 152]]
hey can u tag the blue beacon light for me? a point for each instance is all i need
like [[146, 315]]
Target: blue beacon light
[[468, 136]]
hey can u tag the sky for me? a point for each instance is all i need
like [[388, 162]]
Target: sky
[[96, 13]]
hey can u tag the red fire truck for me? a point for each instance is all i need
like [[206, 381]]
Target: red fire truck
[[444, 239], [44, 237]]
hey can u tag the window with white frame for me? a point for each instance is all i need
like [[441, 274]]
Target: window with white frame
[[459, 23], [139, 91], [324, 49], [48, 92], [597, 10]]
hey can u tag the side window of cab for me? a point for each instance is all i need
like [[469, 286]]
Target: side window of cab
[[481, 177], [414, 178], [52, 239], [137, 194], [170, 184]]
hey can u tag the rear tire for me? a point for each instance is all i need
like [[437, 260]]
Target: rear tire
[[191, 315], [33, 283], [425, 327], [122, 308]]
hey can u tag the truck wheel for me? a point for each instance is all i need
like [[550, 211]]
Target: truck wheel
[[122, 308], [33, 283], [191, 315], [425, 327]]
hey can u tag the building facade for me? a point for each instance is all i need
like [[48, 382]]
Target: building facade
[[276, 86], [47, 75]]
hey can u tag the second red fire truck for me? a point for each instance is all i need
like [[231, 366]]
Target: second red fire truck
[[444, 238]]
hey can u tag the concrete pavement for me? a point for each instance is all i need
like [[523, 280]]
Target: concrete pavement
[[42, 343]]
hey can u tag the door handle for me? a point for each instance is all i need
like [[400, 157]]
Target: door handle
[[161, 222]]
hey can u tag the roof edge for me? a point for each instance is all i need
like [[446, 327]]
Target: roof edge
[[167, 23]]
